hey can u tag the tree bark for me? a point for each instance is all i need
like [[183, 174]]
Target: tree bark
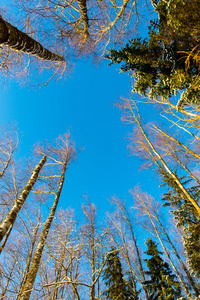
[[11, 216], [30, 279], [158, 158], [18, 40], [84, 13]]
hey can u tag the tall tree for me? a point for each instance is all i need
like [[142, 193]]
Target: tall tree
[[186, 217], [166, 153], [148, 207], [162, 283], [20, 41], [146, 146], [90, 244], [11, 216], [121, 232], [62, 155], [157, 63], [114, 278]]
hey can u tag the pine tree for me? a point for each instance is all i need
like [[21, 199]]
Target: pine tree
[[186, 217], [132, 292], [117, 288], [158, 62], [162, 284]]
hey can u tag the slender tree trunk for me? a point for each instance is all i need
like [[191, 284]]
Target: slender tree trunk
[[159, 158], [189, 277], [164, 248], [177, 142], [128, 219], [9, 278], [7, 163], [92, 291], [30, 279], [138, 256], [59, 272], [11, 216], [29, 260], [18, 40], [6, 238]]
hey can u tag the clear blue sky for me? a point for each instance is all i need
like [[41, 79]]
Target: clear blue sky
[[83, 104]]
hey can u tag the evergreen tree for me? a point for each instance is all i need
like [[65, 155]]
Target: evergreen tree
[[117, 288], [132, 292], [162, 284], [157, 63], [186, 217]]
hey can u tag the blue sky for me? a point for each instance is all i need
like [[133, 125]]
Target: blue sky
[[84, 104]]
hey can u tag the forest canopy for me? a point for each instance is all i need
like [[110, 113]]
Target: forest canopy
[[146, 246]]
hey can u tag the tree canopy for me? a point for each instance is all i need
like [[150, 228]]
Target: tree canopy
[[162, 283], [164, 63]]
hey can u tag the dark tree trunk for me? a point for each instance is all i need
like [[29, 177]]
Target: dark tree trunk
[[17, 40], [84, 14]]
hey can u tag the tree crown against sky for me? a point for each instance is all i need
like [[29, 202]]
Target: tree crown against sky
[[117, 287], [71, 29], [70, 264], [158, 62], [162, 283]]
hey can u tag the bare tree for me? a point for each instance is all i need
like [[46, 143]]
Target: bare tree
[[60, 277], [79, 27], [151, 153], [8, 145], [11, 216], [146, 206], [123, 216], [62, 155]]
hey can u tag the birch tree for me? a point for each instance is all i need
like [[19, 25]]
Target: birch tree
[[60, 277], [11, 216], [145, 204], [61, 155], [147, 147], [19, 41], [85, 25], [8, 145], [122, 231], [94, 250]]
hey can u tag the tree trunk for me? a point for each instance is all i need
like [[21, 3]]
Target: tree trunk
[[30, 279], [84, 13], [18, 40], [164, 248], [158, 158], [189, 277], [11, 216]]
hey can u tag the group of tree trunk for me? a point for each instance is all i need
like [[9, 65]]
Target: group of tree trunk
[[52, 255], [166, 61], [45, 182]]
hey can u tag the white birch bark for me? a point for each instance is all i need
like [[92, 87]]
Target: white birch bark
[[11, 216], [30, 279], [158, 158]]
